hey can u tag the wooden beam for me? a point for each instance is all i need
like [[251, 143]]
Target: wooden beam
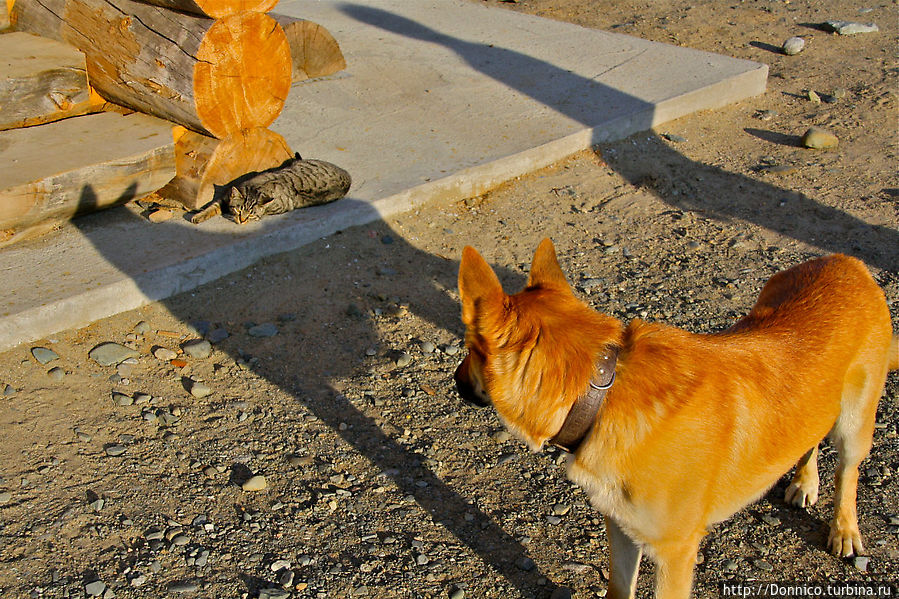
[[212, 76], [50, 173], [41, 81]]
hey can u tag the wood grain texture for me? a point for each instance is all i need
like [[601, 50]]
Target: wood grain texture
[[41, 80], [202, 162], [53, 172], [314, 51], [211, 76]]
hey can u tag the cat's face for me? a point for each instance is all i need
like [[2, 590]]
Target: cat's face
[[243, 207]]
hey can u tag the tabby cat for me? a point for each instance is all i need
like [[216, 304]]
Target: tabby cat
[[294, 184]]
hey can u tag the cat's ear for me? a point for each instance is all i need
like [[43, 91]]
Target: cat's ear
[[235, 197]]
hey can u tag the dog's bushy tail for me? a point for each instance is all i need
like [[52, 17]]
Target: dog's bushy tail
[[894, 353]]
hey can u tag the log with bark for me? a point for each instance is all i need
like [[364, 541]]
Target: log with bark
[[216, 77]]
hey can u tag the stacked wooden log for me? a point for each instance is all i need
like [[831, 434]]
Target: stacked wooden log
[[219, 69]]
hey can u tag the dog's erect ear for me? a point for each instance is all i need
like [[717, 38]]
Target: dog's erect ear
[[545, 269], [477, 283]]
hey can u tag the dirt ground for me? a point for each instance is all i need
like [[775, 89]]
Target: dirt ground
[[118, 481]]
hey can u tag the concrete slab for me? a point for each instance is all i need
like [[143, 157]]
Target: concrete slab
[[442, 99]]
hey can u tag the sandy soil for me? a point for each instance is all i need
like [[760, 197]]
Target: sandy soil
[[379, 483]]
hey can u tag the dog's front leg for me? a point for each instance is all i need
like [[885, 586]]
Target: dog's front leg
[[675, 562], [624, 562]]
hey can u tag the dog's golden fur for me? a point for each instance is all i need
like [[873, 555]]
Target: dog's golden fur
[[695, 426]]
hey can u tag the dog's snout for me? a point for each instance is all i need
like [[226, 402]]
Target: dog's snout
[[466, 388]]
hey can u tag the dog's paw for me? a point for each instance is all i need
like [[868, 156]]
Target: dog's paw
[[845, 541], [801, 494]]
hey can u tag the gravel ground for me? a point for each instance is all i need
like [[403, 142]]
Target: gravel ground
[[330, 371]]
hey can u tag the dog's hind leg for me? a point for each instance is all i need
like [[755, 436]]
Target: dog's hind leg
[[803, 489], [624, 562], [852, 435]]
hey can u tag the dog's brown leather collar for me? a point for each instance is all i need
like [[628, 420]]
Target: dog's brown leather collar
[[583, 413]]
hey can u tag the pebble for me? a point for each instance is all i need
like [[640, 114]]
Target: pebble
[[279, 564], [404, 359], [111, 354], [501, 436], [813, 96], [185, 586], [427, 347], [793, 46], [44, 355], [217, 335], [255, 483], [9, 390], [526, 564], [266, 329], [57, 374], [766, 115], [770, 520], [142, 327], [560, 509], [5, 497], [200, 389], [763, 565], [861, 563], [819, 139], [674, 138], [120, 399], [850, 27], [114, 450], [95, 588], [457, 593], [198, 349], [273, 593], [451, 350], [781, 169], [164, 354]]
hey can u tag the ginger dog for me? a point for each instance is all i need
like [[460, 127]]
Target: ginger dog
[[692, 427]]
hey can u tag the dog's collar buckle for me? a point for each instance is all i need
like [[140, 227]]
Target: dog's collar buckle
[[583, 413]]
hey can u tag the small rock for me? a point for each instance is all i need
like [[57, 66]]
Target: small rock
[[813, 96], [198, 349], [57, 374], [560, 509], [457, 593], [217, 335], [427, 347], [200, 389], [819, 139], [120, 399], [770, 520], [142, 328], [279, 564], [164, 354], [526, 564], [781, 169], [674, 138], [5, 497], [185, 586], [850, 27], [95, 588], [404, 359], [255, 483], [861, 563], [763, 565], [766, 115], [273, 593], [501, 436], [44, 355], [793, 46], [8, 391], [266, 329], [111, 354], [114, 449]]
